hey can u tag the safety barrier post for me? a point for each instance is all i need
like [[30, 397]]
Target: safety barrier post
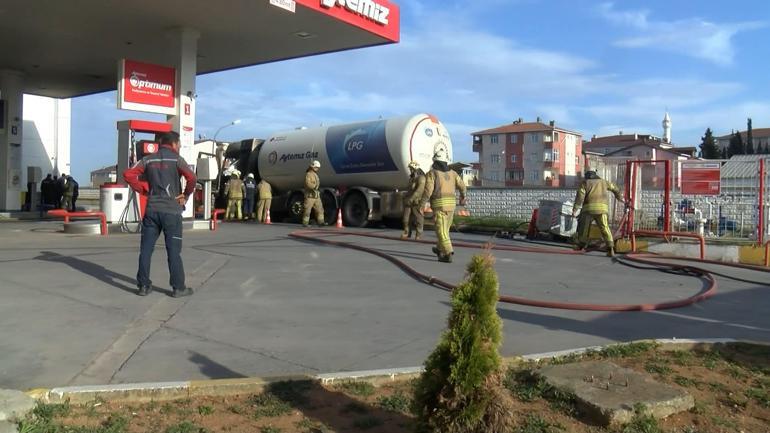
[[761, 208]]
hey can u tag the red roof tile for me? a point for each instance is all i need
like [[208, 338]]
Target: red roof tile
[[522, 127]]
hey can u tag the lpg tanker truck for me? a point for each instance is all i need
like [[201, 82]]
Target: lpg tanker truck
[[363, 165]]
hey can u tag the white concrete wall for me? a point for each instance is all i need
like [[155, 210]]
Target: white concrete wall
[[46, 140]]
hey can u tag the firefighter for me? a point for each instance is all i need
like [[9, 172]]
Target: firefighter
[[313, 195], [69, 193], [265, 199], [441, 183], [235, 191], [250, 186], [413, 202], [592, 204]]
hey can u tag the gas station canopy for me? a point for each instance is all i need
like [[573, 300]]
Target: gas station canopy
[[71, 48]]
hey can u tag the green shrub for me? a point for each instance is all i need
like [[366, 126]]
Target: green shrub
[[461, 389]]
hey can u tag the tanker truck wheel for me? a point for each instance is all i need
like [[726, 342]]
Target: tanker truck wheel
[[296, 207], [330, 207], [355, 210]]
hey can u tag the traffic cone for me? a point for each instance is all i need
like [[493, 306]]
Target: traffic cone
[[339, 219], [267, 220]]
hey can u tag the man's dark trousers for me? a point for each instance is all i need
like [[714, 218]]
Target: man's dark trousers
[[171, 226]]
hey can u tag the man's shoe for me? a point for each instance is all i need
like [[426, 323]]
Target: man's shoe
[[144, 290], [445, 258], [579, 247], [418, 237], [404, 236], [611, 252], [187, 291], [436, 251]]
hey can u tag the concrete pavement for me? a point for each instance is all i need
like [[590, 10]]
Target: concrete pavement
[[267, 304]]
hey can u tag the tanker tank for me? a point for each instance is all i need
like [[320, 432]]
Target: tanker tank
[[373, 154]]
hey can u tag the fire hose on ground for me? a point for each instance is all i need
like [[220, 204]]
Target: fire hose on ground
[[650, 261]]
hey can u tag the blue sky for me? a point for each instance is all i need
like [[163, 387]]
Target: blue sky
[[593, 67]]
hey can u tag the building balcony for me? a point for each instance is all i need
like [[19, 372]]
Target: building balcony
[[548, 163], [477, 147]]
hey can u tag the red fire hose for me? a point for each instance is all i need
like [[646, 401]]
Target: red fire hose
[[646, 259]]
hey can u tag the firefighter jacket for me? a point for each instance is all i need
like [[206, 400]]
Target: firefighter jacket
[[235, 189], [264, 189], [440, 188], [416, 188], [592, 196], [312, 185]]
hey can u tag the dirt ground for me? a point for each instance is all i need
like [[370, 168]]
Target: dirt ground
[[730, 384]]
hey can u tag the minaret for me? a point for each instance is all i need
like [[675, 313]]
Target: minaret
[[666, 128]]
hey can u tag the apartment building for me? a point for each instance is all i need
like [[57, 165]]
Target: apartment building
[[528, 154]]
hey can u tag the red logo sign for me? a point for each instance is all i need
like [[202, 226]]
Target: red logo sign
[[148, 84], [150, 147], [700, 178], [380, 17]]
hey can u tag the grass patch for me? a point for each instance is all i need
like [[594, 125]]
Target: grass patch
[[682, 358], [50, 411], [627, 350], [269, 429], [367, 422], [536, 424], [656, 368], [526, 386], [642, 422], [496, 222], [205, 410], [724, 422], [186, 427], [699, 408], [685, 381], [398, 402], [359, 388], [267, 405], [759, 395]]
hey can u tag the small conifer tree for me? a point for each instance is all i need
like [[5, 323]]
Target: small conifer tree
[[461, 389]]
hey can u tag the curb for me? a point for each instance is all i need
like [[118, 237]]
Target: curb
[[162, 391]]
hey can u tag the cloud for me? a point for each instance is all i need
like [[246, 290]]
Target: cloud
[[694, 37]]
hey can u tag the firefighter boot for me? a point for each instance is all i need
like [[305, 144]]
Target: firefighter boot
[[445, 258], [611, 252]]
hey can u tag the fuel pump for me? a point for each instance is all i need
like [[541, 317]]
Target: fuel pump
[[120, 203]]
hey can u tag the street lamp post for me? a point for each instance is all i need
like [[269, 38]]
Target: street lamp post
[[207, 185]]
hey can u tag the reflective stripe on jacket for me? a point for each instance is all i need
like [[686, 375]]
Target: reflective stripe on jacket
[[592, 196], [440, 188]]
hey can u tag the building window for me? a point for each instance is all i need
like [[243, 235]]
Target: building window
[[533, 137], [533, 156], [555, 136], [534, 175], [515, 174], [513, 158], [494, 176], [547, 155], [495, 157], [513, 138], [555, 155], [477, 139], [493, 139]]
